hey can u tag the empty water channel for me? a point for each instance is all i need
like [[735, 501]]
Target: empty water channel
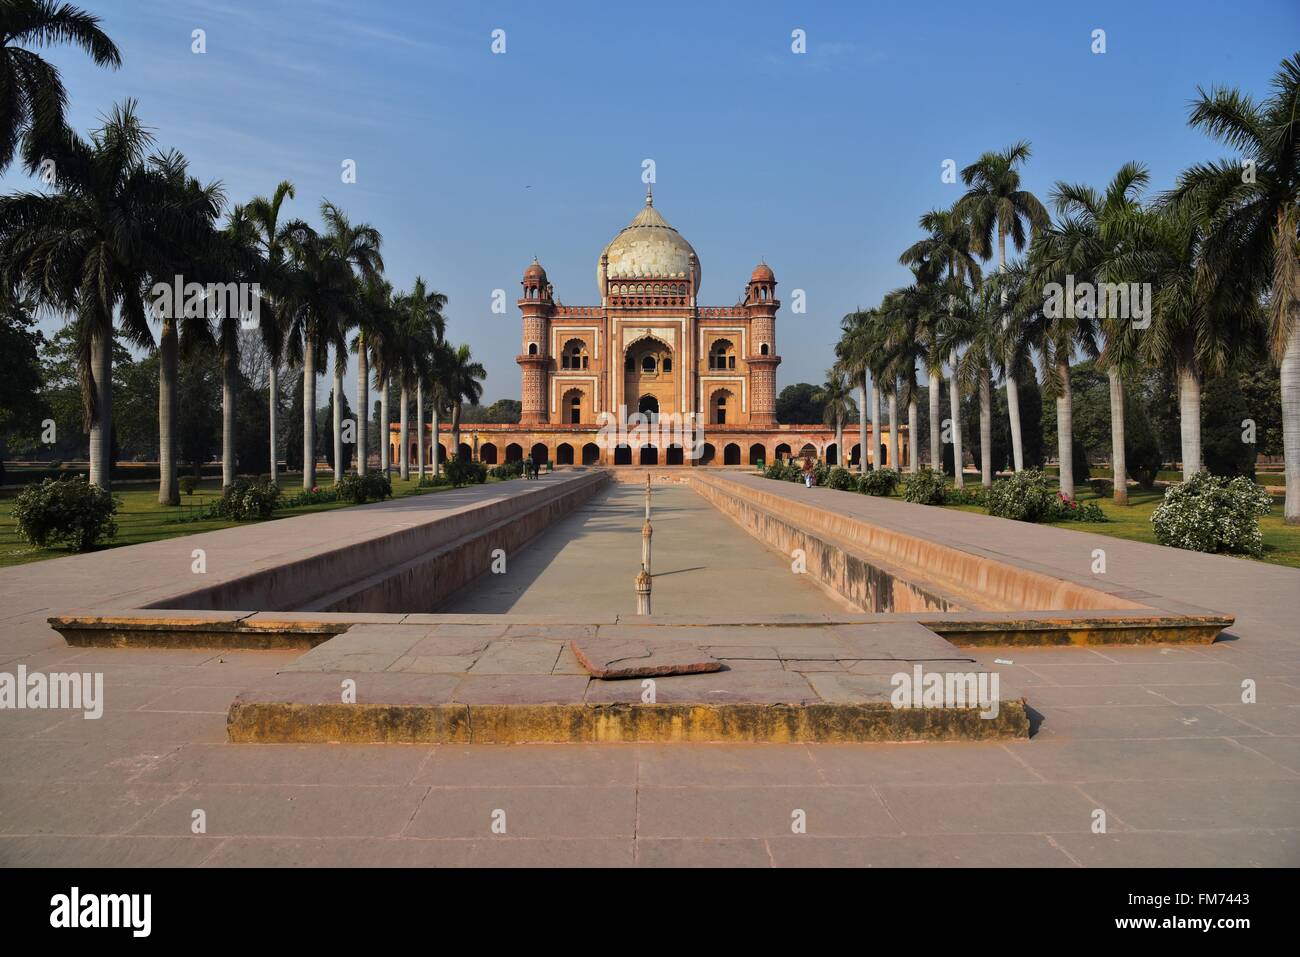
[[702, 564]]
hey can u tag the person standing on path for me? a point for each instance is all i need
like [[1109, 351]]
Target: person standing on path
[[808, 471]]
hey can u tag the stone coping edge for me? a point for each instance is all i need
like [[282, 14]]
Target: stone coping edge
[[289, 722]]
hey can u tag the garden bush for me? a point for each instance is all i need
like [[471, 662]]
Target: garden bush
[[358, 489], [187, 484], [71, 513], [840, 478], [1033, 496], [970, 495], [244, 500], [878, 482], [466, 472], [926, 487], [509, 470], [1210, 513]]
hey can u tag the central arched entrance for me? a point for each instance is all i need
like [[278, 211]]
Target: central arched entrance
[[650, 372], [648, 406]]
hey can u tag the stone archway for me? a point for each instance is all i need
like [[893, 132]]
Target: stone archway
[[487, 453], [540, 453], [757, 454], [514, 452], [590, 454], [650, 370], [564, 454], [731, 454]]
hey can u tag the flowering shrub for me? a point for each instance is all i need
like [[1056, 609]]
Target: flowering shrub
[[878, 482], [1032, 496], [243, 500], [1209, 513], [926, 487], [73, 513], [840, 478], [357, 489]]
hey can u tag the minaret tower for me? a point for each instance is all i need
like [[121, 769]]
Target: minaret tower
[[534, 361], [761, 305]]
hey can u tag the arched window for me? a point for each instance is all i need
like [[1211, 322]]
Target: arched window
[[574, 355], [722, 355], [667, 365], [532, 348], [720, 408], [762, 350], [648, 363], [575, 410]]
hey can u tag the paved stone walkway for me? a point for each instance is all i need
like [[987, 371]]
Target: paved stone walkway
[[703, 565], [1157, 737]]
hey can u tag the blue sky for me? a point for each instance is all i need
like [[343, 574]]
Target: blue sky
[[471, 163]]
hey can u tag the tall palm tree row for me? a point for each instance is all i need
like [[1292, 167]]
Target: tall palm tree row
[[995, 204]]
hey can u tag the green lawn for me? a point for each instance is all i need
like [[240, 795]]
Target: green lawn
[[141, 519], [1281, 541]]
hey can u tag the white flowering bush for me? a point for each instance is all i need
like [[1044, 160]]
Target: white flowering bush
[[1209, 513]]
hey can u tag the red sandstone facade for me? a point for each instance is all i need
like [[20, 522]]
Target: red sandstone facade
[[648, 348]]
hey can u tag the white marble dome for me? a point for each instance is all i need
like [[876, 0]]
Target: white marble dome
[[647, 248]]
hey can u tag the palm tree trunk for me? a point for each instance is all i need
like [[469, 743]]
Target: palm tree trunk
[[986, 427], [419, 427], [309, 416], [385, 433], [435, 449], [839, 440], [455, 430], [895, 460], [1065, 430], [273, 403], [1119, 467], [954, 402], [338, 417], [913, 453], [1013, 413], [168, 494], [404, 456], [873, 396], [1290, 372], [101, 429], [363, 408], [1013, 387], [862, 426], [936, 432], [1189, 420], [229, 370]]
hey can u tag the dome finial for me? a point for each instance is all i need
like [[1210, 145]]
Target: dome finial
[[649, 194]]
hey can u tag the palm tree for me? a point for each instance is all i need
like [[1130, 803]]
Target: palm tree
[[995, 202], [372, 345], [852, 356], [189, 218], [358, 246], [90, 249], [947, 250], [264, 215], [33, 93], [836, 399], [905, 313], [1101, 220], [975, 325], [1255, 223], [1200, 320], [463, 384], [320, 302]]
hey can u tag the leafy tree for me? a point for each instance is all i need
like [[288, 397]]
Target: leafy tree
[[797, 405]]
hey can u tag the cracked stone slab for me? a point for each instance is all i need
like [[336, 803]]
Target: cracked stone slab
[[632, 658], [719, 687]]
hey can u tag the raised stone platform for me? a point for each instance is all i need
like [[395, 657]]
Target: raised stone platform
[[497, 679]]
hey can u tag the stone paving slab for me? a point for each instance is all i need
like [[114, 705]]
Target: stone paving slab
[[628, 658]]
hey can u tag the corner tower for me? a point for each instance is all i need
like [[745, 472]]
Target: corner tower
[[537, 306], [761, 305]]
